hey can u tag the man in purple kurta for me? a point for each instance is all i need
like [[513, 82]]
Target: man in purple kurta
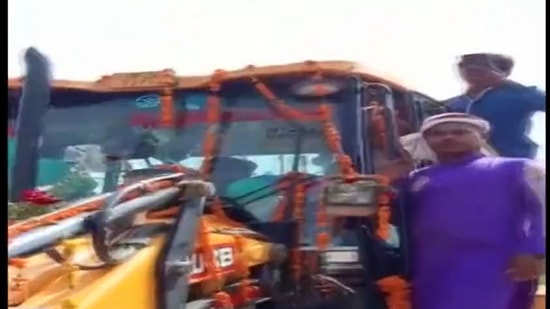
[[477, 223]]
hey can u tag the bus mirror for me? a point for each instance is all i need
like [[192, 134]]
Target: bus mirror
[[352, 199]]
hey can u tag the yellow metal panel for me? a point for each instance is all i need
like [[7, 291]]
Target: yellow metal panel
[[130, 285]]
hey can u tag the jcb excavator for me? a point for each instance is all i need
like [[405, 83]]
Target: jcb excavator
[[266, 187]]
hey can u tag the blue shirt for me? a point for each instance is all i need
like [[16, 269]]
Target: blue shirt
[[509, 109]]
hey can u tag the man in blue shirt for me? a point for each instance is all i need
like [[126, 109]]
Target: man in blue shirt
[[507, 105]]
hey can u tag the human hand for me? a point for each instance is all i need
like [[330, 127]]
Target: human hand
[[526, 267], [395, 169]]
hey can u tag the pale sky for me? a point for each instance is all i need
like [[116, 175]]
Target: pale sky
[[417, 40]]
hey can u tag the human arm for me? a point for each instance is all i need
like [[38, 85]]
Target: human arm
[[457, 104], [536, 100], [534, 207], [395, 170], [528, 261]]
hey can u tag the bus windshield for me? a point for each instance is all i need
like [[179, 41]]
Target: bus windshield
[[257, 145]]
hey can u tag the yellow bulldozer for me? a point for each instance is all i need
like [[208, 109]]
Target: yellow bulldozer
[[266, 187]]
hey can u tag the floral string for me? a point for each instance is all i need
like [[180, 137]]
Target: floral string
[[396, 288], [323, 238], [322, 219], [397, 291], [299, 207], [384, 217], [334, 143], [167, 109], [210, 149]]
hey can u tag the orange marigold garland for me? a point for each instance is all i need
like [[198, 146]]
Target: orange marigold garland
[[384, 217], [222, 300], [279, 213], [213, 117], [397, 292], [210, 144], [332, 137], [322, 222], [396, 288], [323, 238], [334, 143], [284, 109], [322, 219], [213, 109], [290, 113], [167, 109], [299, 206]]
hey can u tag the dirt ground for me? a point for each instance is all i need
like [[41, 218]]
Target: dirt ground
[[540, 300]]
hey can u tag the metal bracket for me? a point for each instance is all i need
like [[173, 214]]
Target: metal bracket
[[180, 268], [32, 107], [172, 271], [389, 115]]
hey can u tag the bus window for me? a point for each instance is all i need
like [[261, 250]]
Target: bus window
[[427, 106]]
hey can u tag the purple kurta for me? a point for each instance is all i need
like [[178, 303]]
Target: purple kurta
[[468, 220]]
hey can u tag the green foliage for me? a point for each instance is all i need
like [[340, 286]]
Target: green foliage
[[23, 210], [74, 186]]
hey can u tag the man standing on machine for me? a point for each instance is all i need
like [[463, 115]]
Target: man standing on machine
[[507, 105]]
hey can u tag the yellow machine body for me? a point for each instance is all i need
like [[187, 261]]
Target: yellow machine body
[[44, 283]]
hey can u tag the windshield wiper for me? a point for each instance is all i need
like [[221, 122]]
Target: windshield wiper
[[272, 188], [295, 166]]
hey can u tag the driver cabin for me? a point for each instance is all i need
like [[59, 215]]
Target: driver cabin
[[122, 114], [140, 121]]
